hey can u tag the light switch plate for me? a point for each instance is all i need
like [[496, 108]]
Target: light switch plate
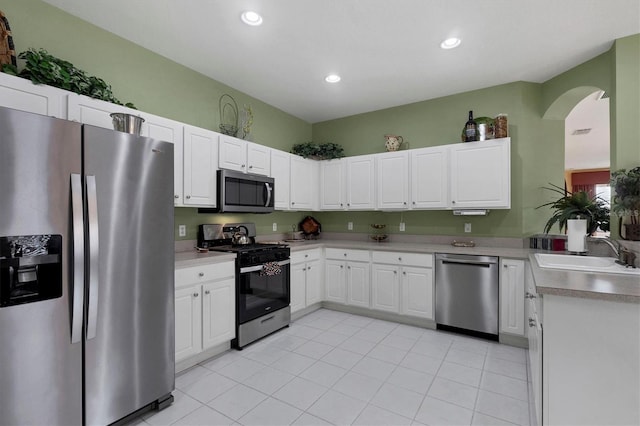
[[467, 227], [402, 226], [275, 226], [182, 230], [350, 226]]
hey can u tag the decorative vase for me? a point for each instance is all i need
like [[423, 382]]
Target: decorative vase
[[392, 142]]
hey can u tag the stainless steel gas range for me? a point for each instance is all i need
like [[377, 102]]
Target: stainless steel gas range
[[262, 279]]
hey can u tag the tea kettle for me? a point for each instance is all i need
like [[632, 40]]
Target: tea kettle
[[241, 238]]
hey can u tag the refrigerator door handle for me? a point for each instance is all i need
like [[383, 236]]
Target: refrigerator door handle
[[78, 258], [92, 218]]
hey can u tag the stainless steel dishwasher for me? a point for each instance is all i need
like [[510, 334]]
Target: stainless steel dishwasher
[[467, 294]]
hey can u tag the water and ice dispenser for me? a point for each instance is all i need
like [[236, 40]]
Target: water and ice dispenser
[[30, 269]]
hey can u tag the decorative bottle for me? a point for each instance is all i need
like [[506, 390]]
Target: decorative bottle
[[471, 129]]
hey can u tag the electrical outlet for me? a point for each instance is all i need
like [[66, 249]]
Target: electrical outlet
[[402, 226], [182, 230], [350, 226], [467, 227], [275, 226]]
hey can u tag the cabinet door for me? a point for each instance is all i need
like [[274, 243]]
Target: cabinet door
[[361, 183], [481, 174], [188, 313], [301, 183], [385, 288], [22, 94], [298, 286], [281, 171], [86, 110], [200, 166], [332, 184], [392, 180], [258, 159], [358, 284], [232, 154], [512, 300], [218, 312], [429, 178], [335, 281], [314, 282], [417, 292]]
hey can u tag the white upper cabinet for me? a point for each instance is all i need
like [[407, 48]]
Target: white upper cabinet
[[258, 159], [247, 157], [333, 186], [97, 113], [393, 180], [429, 178], [361, 182], [481, 174], [22, 94], [281, 172], [200, 167], [232, 154], [304, 184]]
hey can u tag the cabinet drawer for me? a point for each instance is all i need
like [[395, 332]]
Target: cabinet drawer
[[347, 254], [305, 255], [197, 274], [401, 258]]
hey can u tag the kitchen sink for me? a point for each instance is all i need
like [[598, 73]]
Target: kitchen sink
[[583, 263]]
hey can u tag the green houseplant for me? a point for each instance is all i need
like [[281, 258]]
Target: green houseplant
[[43, 68], [626, 199], [318, 151], [574, 205]]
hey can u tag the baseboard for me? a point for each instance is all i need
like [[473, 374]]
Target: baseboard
[[386, 316], [202, 356], [511, 340]]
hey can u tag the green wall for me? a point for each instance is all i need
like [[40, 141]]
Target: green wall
[[160, 86]]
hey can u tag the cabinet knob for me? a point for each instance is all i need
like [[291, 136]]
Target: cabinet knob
[[341, 205], [341, 266], [242, 166], [201, 274], [176, 196], [304, 269], [195, 294], [306, 255], [404, 273], [399, 259], [395, 272], [292, 203], [348, 267], [529, 296], [345, 255], [251, 167], [532, 322], [405, 203], [348, 204], [414, 203], [308, 268], [188, 196], [207, 292], [453, 202]]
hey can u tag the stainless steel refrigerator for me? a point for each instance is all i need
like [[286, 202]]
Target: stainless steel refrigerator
[[86, 272]]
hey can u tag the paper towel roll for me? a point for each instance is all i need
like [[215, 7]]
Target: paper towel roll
[[576, 233]]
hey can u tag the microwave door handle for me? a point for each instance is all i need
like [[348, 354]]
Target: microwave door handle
[[92, 213], [77, 223], [269, 191]]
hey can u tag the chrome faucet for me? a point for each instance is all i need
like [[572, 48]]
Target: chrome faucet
[[614, 246]]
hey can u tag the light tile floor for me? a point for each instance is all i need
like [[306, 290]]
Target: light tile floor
[[335, 368]]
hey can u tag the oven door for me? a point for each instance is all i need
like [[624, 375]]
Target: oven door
[[261, 291]]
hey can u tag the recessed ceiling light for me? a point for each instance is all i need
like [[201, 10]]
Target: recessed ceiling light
[[251, 18], [332, 78], [450, 43]]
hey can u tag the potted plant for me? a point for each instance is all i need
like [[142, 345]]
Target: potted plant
[[626, 200], [578, 204], [318, 151]]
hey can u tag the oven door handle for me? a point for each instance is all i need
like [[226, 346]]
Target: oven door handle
[[259, 267]]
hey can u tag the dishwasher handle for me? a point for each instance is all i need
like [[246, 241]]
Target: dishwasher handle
[[468, 262]]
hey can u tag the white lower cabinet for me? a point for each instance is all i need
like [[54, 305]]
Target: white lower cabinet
[[512, 302], [347, 277], [204, 308], [403, 283], [306, 279]]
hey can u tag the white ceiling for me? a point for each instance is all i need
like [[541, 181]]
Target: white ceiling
[[387, 51]]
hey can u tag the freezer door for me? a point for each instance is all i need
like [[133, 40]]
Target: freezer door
[[40, 367], [129, 351]]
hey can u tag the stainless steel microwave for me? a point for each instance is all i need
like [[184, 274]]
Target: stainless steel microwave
[[243, 193]]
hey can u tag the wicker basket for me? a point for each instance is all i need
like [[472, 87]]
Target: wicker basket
[[632, 231], [7, 49]]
